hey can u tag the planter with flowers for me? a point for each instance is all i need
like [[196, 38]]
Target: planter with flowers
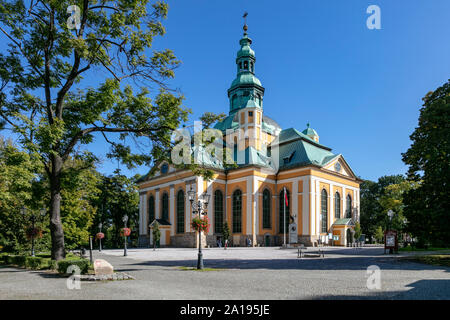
[[33, 233], [200, 223], [125, 232]]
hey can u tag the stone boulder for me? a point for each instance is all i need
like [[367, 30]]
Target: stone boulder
[[103, 267]]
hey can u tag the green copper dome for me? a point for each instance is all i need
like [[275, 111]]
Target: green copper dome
[[310, 132], [245, 50], [245, 78]]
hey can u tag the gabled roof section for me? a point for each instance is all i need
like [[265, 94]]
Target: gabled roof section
[[161, 222], [344, 222], [297, 149]]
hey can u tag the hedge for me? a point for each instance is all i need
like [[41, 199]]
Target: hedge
[[36, 263], [41, 262], [83, 264]]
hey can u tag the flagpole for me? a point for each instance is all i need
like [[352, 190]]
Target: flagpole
[[284, 220]]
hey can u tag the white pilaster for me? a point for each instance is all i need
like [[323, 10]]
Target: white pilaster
[[305, 204], [172, 210], [144, 214], [249, 213], [141, 222], [157, 204]]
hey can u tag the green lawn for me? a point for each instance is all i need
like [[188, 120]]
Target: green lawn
[[204, 269], [433, 259], [409, 248]]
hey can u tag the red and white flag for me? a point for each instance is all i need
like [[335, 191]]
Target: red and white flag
[[285, 197]]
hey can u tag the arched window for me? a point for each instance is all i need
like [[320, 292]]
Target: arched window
[[324, 210], [165, 206], [284, 222], [151, 209], [266, 209], [251, 66], [337, 205], [218, 211], [180, 211], [237, 211], [348, 209], [246, 65]]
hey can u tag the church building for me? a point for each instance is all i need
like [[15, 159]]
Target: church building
[[287, 188]]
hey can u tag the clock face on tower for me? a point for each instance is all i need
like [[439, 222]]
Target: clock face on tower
[[337, 167]]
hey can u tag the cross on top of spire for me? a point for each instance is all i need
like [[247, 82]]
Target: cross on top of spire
[[245, 22]]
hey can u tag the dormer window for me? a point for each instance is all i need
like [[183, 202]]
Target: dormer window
[[164, 168]]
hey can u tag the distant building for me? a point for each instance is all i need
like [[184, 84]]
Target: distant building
[[322, 190]]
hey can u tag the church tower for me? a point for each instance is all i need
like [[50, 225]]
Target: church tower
[[246, 96]]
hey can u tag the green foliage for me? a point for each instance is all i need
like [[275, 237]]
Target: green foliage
[[37, 263], [17, 172], [83, 264], [118, 196], [209, 118], [373, 214], [156, 233], [379, 234], [46, 101], [358, 231], [226, 231], [427, 207]]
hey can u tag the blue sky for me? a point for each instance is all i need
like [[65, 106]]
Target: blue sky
[[360, 89]]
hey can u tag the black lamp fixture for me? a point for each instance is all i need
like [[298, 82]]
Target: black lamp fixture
[[199, 207]]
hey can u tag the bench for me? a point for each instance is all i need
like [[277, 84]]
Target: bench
[[302, 248]]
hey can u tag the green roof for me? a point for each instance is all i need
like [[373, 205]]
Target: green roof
[[297, 149], [343, 222], [245, 49], [310, 132], [245, 78]]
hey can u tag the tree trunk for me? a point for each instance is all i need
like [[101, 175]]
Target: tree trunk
[[56, 229]]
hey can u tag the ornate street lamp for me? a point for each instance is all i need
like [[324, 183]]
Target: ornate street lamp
[[200, 207], [125, 219], [33, 219], [390, 214]]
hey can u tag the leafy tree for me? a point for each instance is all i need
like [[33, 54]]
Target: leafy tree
[[209, 118], [358, 231], [427, 208], [379, 234], [118, 197], [17, 173], [156, 234], [372, 214], [392, 199], [50, 98]]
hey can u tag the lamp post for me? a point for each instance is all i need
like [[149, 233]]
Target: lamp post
[[390, 214], [100, 239], [200, 207], [33, 219], [125, 219]]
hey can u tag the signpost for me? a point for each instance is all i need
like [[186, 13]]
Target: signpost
[[390, 241]]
